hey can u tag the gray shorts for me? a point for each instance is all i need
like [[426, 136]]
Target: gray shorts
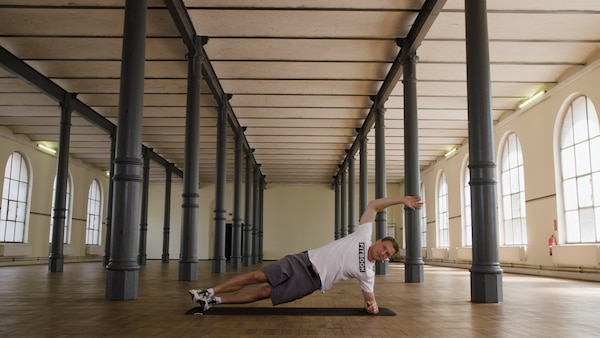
[[291, 278]]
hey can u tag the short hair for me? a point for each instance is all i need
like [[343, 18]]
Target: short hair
[[394, 243]]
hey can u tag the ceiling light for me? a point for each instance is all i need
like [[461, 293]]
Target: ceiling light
[[531, 99], [450, 152], [46, 148]]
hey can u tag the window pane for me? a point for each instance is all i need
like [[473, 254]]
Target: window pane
[[566, 137], [584, 191], [582, 158], [597, 214], [588, 228], [508, 232], [567, 158], [596, 188], [580, 122], [594, 151], [570, 194], [572, 219]]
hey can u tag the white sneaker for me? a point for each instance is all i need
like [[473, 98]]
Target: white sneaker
[[208, 303], [199, 295]]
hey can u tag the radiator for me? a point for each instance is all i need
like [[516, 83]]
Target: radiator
[[15, 250], [464, 254], [439, 253], [576, 255], [512, 254]]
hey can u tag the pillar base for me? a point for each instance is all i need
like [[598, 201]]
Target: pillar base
[[219, 265], [55, 263], [382, 268], [121, 284], [413, 272], [246, 261], [165, 258], [486, 286], [188, 271], [236, 262]]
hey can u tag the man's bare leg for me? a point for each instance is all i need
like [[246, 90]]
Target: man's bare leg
[[239, 282], [249, 296]]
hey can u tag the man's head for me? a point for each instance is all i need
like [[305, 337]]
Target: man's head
[[383, 249]]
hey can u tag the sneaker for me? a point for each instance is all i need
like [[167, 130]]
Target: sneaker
[[207, 303], [199, 295]]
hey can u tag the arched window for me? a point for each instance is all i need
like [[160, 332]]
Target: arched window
[[67, 225], [443, 219], [580, 169], [513, 192], [423, 217], [14, 200], [94, 208], [467, 224]]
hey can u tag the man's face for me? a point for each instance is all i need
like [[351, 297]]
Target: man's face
[[381, 250]]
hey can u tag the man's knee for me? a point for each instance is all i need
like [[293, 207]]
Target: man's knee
[[258, 276]]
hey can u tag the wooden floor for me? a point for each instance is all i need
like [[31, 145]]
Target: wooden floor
[[35, 302]]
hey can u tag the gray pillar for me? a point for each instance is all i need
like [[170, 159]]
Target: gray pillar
[[56, 258], [144, 209], [381, 268], [343, 203], [255, 220], [261, 196], [236, 227], [188, 258], [167, 215], [247, 239], [219, 260], [109, 202], [364, 177], [486, 274], [338, 212], [122, 274], [413, 266], [351, 199]]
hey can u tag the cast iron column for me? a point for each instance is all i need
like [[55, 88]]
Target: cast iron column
[[167, 215], [261, 200], [122, 274], [351, 199], [144, 209], [188, 258], [247, 239], [486, 274], [413, 266], [56, 258], [343, 203], [255, 214], [236, 231], [219, 260], [109, 203], [338, 222], [364, 176], [381, 268]]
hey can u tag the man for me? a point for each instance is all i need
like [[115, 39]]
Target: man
[[299, 275]]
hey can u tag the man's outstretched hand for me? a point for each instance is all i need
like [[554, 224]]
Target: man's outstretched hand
[[413, 202]]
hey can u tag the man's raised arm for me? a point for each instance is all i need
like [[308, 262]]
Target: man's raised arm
[[379, 204]]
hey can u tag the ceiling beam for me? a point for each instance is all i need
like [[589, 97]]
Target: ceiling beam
[[26, 73], [425, 19], [186, 28]]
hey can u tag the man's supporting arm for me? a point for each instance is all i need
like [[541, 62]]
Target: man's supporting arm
[[370, 303]]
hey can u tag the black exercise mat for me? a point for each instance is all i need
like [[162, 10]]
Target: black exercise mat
[[287, 311]]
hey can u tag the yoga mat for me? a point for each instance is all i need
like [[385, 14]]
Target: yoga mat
[[287, 311]]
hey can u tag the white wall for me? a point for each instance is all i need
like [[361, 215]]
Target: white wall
[[42, 168], [536, 128]]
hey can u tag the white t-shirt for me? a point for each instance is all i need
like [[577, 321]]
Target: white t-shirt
[[346, 258]]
